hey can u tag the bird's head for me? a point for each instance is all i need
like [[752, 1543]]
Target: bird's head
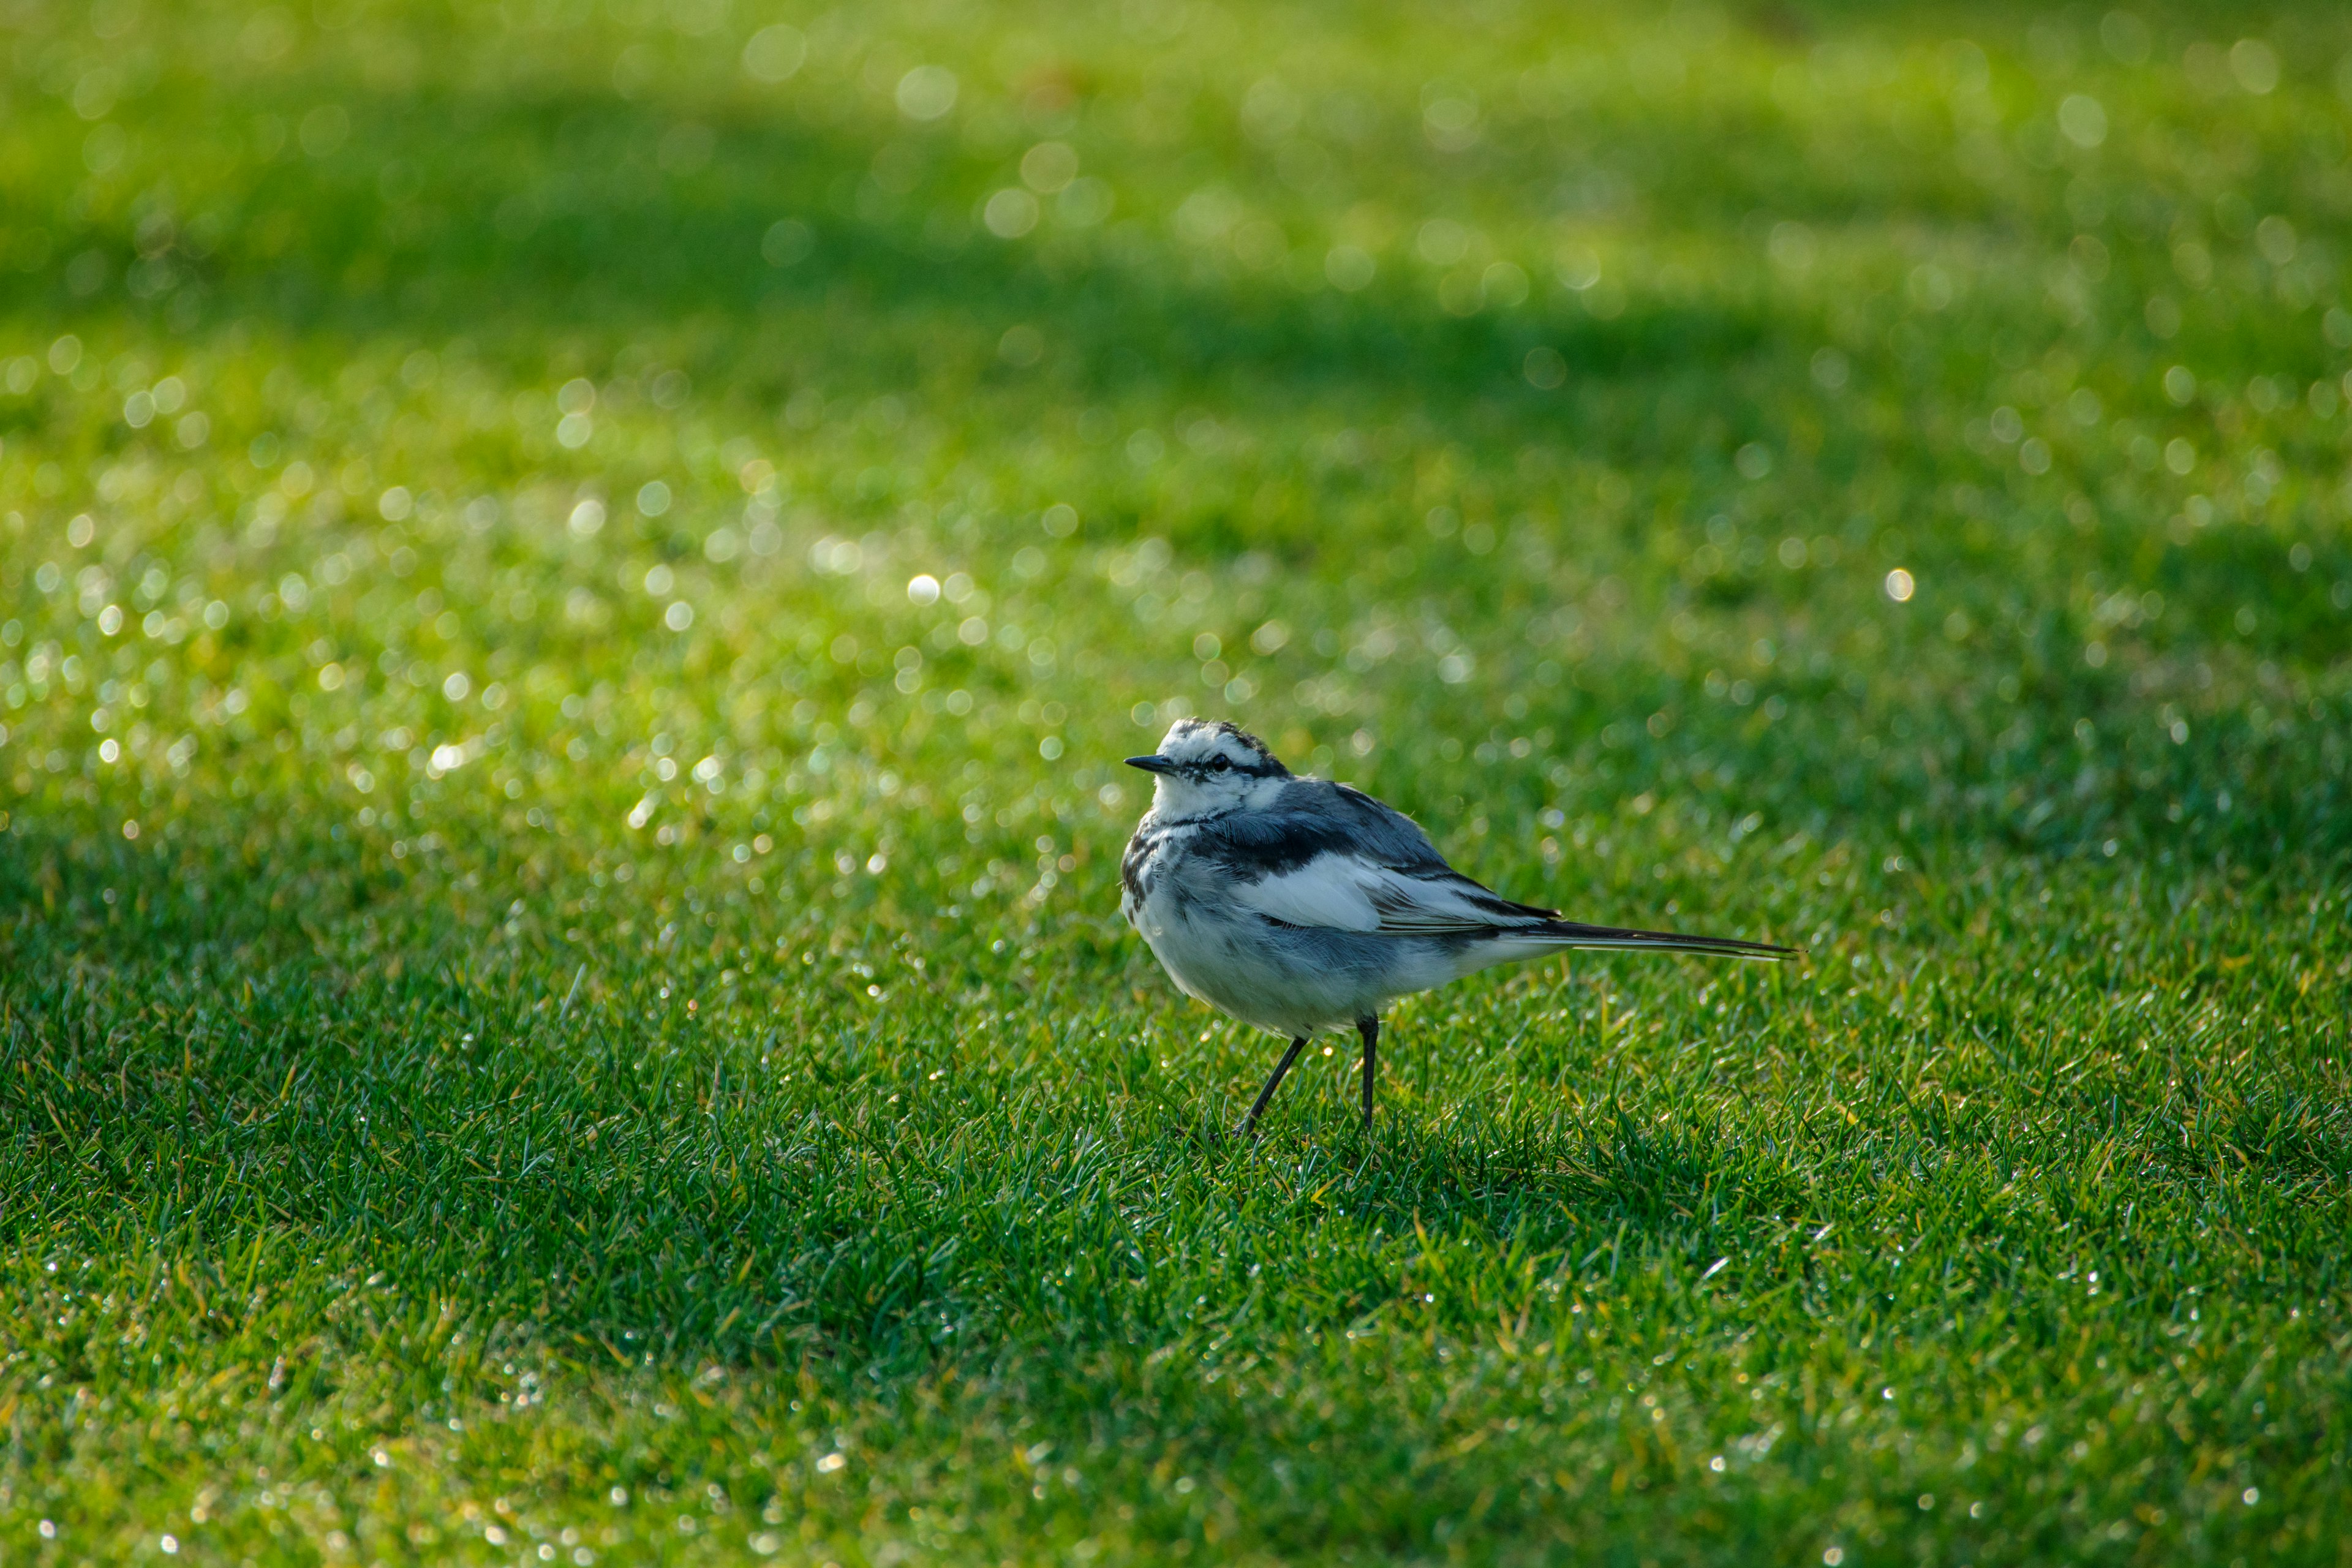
[[1206, 765]]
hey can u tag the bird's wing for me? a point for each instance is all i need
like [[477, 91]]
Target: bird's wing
[[1331, 857], [1327, 893], [1344, 891], [1312, 817]]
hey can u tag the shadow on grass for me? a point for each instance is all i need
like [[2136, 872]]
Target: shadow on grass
[[522, 225], [627, 1174], [550, 234], [613, 1171]]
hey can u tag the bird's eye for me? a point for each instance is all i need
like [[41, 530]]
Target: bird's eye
[[1222, 763]]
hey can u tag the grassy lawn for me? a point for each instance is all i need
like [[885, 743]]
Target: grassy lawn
[[574, 579]]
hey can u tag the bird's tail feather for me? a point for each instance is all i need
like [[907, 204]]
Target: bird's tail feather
[[1572, 934]]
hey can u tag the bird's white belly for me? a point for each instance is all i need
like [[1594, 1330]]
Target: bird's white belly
[[1233, 966]]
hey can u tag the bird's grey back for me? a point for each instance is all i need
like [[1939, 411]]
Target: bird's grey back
[[1312, 817]]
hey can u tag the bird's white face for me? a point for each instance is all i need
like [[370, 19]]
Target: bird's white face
[[1204, 768]]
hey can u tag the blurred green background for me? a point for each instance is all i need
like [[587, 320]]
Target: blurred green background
[[572, 579]]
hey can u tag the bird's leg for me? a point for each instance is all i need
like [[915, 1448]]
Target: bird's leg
[[1249, 1123], [1371, 1029]]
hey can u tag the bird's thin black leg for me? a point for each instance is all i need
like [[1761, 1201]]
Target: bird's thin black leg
[[1249, 1123], [1371, 1029]]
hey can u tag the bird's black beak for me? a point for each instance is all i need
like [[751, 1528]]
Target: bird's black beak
[[1153, 765]]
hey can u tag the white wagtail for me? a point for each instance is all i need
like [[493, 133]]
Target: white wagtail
[[1296, 904]]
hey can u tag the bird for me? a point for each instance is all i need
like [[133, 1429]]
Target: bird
[[1296, 904]]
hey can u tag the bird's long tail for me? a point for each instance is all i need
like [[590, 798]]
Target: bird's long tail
[[1572, 934]]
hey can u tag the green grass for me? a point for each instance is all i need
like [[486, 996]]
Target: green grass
[[549, 1010]]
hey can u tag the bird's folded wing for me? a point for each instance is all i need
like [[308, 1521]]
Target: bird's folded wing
[[1345, 892]]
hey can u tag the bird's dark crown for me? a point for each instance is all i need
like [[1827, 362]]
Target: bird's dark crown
[[1204, 748]]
